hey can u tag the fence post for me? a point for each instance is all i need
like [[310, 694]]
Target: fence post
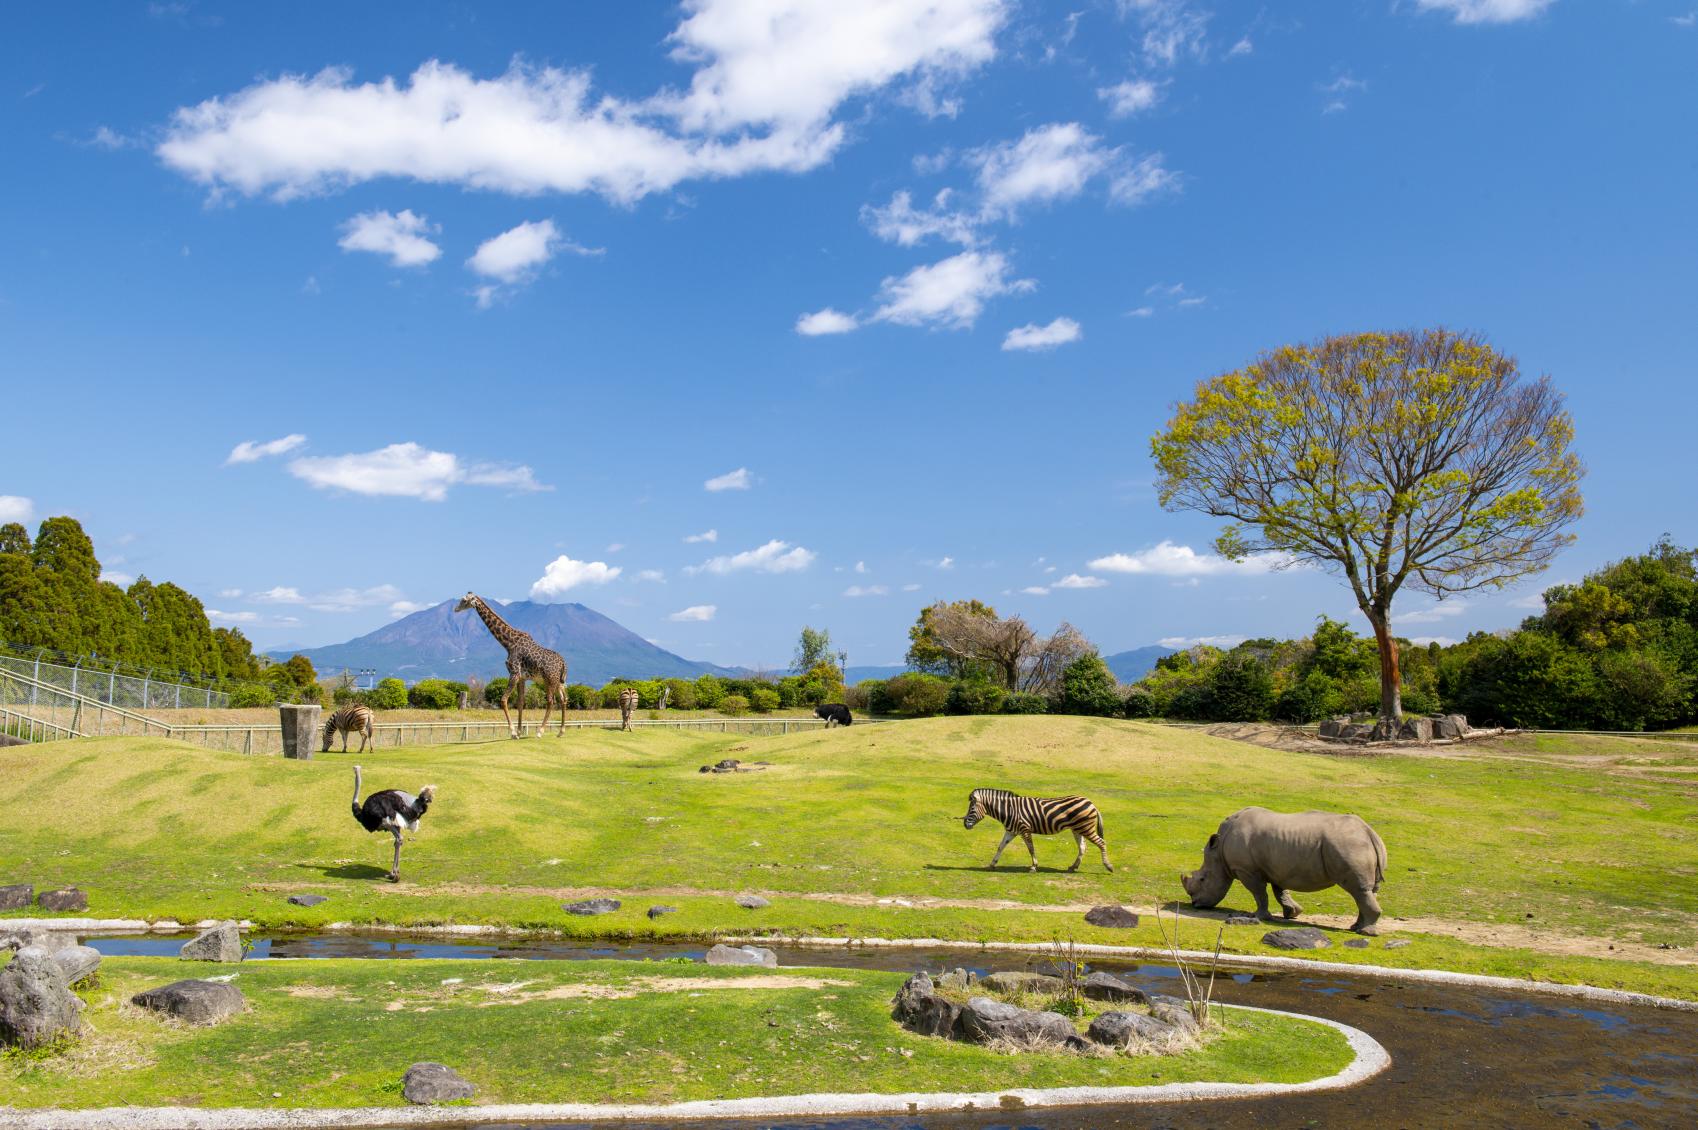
[[179, 696], [300, 726], [74, 671]]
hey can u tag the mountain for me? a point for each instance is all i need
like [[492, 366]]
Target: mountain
[[439, 643], [1130, 666]]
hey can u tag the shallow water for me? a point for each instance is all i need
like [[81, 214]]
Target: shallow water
[[1459, 1057]]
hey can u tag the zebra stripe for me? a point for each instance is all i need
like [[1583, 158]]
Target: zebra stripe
[[628, 699], [348, 720], [1027, 816]]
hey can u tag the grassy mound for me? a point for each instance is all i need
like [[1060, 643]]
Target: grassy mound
[[342, 1032], [1517, 859]]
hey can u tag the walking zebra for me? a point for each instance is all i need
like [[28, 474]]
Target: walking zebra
[[1026, 816], [349, 720], [628, 699]]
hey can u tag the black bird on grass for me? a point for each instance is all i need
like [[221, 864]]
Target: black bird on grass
[[394, 811]]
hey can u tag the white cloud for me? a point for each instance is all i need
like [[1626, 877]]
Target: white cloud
[[946, 563], [826, 321], [950, 293], [232, 617], [1140, 312], [564, 574], [1075, 581], [867, 590], [1169, 560], [1337, 92], [1443, 610], [695, 612], [1169, 289], [740, 479], [899, 222], [16, 508], [333, 600], [408, 471], [614, 546], [910, 588], [1130, 97], [279, 595], [769, 77], [517, 251], [1181, 642], [407, 607], [229, 594], [860, 567], [705, 535], [1172, 29], [105, 137], [1135, 183], [1442, 641], [1035, 590], [249, 451], [1242, 47], [1194, 300], [1486, 11], [122, 580], [774, 557], [1048, 163], [401, 236], [1033, 336], [1690, 19], [655, 575]]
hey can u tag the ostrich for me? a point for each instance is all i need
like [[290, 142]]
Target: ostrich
[[394, 810]]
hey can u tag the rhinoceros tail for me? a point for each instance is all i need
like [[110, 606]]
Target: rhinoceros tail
[[1379, 856]]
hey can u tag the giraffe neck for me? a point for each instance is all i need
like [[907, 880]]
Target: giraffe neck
[[505, 634]]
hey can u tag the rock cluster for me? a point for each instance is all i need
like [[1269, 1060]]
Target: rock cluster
[[1412, 729], [36, 1002], [921, 1008]]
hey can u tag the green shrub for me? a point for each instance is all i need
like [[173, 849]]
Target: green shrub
[[710, 692], [580, 696], [871, 694], [734, 705], [1191, 701], [1020, 702], [975, 696], [432, 694], [1240, 689], [1138, 703], [390, 694], [764, 700], [252, 694], [342, 696], [917, 696], [680, 694], [1088, 687]]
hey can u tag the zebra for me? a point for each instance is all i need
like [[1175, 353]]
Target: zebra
[[1025, 816], [348, 720], [628, 698]]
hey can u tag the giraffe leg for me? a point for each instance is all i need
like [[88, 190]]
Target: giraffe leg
[[560, 688], [1030, 850], [547, 704], [1006, 837], [520, 732], [506, 717]]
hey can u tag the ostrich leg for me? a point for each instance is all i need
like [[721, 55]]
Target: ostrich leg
[[395, 869]]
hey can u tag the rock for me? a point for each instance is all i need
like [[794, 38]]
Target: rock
[[921, 1010], [984, 1020], [1017, 981], [1334, 727], [1108, 987], [1242, 920], [36, 1007], [1416, 730], [1396, 943], [1296, 938], [69, 898], [1173, 1012], [1385, 730], [1356, 944], [1355, 731], [1112, 917], [591, 906], [16, 896], [657, 911], [222, 942], [308, 900], [76, 962], [1450, 726], [742, 955], [958, 979], [752, 902], [426, 1083], [50, 940], [1118, 1029], [196, 1002]]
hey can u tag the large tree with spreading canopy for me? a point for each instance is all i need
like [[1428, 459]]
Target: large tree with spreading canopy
[[1418, 458]]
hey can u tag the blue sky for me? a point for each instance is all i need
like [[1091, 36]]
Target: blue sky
[[329, 311]]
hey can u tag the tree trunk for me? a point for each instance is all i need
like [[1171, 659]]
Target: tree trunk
[[1391, 679]]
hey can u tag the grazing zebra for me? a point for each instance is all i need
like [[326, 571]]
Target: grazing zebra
[[350, 719], [1025, 816], [628, 699]]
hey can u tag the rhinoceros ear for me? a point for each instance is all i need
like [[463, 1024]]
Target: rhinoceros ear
[[1213, 840]]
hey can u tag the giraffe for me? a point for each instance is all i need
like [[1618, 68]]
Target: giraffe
[[526, 659]]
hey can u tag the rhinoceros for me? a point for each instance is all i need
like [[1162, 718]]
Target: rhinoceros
[[1293, 851]]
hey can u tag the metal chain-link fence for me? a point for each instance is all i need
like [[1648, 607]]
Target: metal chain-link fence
[[136, 690]]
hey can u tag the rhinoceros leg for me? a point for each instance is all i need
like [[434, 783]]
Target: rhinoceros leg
[[1286, 902], [1257, 885], [1367, 912]]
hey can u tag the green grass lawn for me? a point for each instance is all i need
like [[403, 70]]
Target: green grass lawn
[[342, 1032], [1562, 855]]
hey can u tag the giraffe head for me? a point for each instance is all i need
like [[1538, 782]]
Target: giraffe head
[[470, 600]]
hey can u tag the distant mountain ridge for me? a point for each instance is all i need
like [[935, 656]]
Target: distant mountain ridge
[[439, 643], [1130, 666]]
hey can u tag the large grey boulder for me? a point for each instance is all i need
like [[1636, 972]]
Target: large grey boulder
[[1173, 1012], [36, 1007], [1296, 938], [16, 896], [308, 900], [426, 1083], [50, 940], [984, 1021], [76, 962], [958, 979], [1101, 986], [1416, 730], [1450, 726], [196, 1002], [222, 942], [1334, 727], [1019, 981], [752, 902], [1112, 917], [591, 906], [722, 954], [1118, 1029], [920, 1009], [65, 899]]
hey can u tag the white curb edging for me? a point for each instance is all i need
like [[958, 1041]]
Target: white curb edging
[[1370, 1059]]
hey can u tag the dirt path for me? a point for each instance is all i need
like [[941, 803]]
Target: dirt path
[[1502, 935]]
